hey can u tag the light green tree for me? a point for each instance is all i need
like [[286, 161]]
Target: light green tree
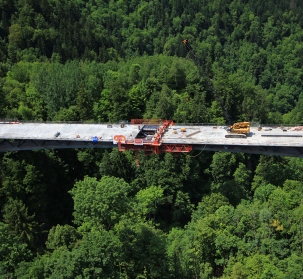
[[100, 203], [59, 236]]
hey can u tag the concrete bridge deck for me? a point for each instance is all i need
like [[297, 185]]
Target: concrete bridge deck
[[32, 136]]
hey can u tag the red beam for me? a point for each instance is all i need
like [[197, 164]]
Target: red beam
[[156, 149]]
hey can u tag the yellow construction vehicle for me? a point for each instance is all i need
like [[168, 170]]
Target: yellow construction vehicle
[[238, 130]]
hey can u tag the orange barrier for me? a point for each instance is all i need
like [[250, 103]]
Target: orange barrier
[[119, 138], [138, 142]]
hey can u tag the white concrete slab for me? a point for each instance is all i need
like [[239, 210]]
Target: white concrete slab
[[193, 134]]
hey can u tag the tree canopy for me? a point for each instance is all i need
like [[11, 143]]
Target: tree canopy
[[96, 214]]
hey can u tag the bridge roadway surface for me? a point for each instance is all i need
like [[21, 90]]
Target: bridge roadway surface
[[35, 136]]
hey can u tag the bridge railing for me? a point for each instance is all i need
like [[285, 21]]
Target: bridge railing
[[253, 124], [11, 121]]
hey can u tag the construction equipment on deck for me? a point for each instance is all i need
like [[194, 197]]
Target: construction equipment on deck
[[238, 130]]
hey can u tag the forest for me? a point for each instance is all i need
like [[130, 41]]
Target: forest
[[92, 213]]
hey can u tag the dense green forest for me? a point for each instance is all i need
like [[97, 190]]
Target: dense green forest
[[93, 213]]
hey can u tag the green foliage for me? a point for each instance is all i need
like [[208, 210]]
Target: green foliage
[[2, 105], [230, 176], [148, 200], [57, 84], [95, 256], [61, 236], [12, 251], [20, 223], [117, 164], [214, 215], [144, 251], [209, 205], [100, 203], [272, 170]]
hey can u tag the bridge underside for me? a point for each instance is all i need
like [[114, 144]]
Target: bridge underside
[[292, 151], [29, 144]]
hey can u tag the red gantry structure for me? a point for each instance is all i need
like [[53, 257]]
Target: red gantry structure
[[149, 138]]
